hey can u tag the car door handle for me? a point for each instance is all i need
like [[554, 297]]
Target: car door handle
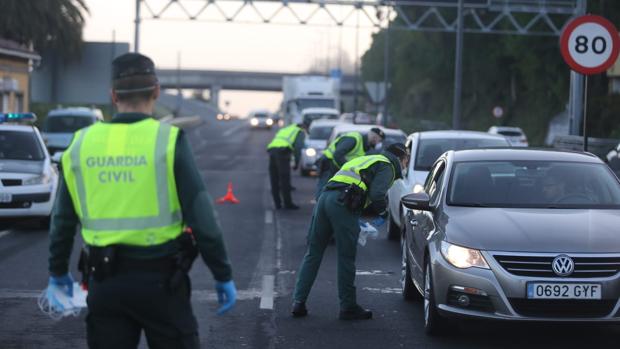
[[413, 222]]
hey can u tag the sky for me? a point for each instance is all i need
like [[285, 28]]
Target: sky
[[210, 43]]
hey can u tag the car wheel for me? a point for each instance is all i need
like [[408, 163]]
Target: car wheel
[[44, 223], [407, 287], [392, 228], [304, 173], [434, 323]]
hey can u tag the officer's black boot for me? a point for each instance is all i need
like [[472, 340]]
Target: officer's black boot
[[358, 313], [299, 309]]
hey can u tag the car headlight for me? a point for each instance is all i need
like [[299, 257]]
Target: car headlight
[[269, 122], [418, 188], [310, 152], [42, 179], [462, 257], [254, 121]]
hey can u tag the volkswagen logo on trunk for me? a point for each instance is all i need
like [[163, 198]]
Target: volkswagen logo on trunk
[[563, 265]]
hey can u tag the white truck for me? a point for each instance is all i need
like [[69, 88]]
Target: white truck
[[301, 92]]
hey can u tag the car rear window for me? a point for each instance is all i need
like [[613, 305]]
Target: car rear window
[[67, 123], [17, 145], [430, 150], [534, 184]]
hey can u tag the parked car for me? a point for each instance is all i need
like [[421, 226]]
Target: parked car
[[424, 149], [514, 234], [61, 124], [308, 115], [515, 135], [316, 142], [260, 119], [358, 118], [28, 179], [391, 135]]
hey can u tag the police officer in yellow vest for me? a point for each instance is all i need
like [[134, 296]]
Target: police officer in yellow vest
[[345, 148], [132, 185], [361, 183], [287, 142]]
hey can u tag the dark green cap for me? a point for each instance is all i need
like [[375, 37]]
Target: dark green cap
[[132, 64]]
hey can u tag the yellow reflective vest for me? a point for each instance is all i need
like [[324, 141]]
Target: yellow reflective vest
[[121, 180], [285, 138], [356, 152], [350, 171]]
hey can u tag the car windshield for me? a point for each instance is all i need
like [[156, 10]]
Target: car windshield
[[66, 123], [533, 184], [304, 103], [321, 132], [510, 133], [430, 150], [17, 145], [261, 116]]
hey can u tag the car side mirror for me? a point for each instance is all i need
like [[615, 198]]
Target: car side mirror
[[57, 157], [417, 201]]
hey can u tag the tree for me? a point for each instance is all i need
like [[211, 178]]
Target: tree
[[45, 24]]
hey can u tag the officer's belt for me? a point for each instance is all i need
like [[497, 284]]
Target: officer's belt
[[161, 264]]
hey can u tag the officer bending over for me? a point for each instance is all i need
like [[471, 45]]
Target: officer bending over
[[345, 148], [132, 184], [362, 182], [287, 141]]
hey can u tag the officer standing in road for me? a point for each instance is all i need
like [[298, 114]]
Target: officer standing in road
[[288, 141], [362, 182], [345, 148], [132, 184]]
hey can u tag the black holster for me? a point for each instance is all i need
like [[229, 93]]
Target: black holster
[[353, 197], [183, 260], [97, 262]]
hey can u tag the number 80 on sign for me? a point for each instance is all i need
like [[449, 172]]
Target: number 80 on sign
[[590, 44]]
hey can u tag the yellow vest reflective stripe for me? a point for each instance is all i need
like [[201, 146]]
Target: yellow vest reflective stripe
[[350, 171], [356, 152], [285, 138], [121, 180]]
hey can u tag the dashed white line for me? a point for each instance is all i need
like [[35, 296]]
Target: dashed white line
[[4, 233], [267, 293], [232, 130], [269, 217]]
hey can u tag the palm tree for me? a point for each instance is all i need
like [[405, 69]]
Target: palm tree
[[45, 24]]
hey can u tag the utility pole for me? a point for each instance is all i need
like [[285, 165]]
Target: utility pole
[[576, 95], [136, 38], [458, 70], [356, 73], [386, 71]]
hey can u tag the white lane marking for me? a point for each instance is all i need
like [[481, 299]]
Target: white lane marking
[[386, 290], [233, 130], [4, 233], [373, 273], [197, 295], [266, 299], [268, 217]]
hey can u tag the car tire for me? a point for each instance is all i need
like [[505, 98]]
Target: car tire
[[44, 222], [434, 323], [393, 232], [409, 291], [304, 173]]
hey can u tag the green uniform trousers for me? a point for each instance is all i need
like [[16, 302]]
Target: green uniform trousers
[[331, 218]]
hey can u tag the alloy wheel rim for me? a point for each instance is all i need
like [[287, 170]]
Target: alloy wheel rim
[[427, 293]]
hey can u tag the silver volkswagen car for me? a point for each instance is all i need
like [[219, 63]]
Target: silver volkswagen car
[[514, 234]]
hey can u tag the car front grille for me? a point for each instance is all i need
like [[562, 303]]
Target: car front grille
[[11, 182], [573, 308], [540, 266]]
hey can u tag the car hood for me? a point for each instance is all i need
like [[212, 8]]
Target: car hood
[[58, 140], [534, 230], [19, 166], [316, 143]]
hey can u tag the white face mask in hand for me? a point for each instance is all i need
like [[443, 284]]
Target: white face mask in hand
[[56, 302]]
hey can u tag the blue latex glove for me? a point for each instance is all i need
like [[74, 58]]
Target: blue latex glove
[[64, 282], [377, 222], [226, 295]]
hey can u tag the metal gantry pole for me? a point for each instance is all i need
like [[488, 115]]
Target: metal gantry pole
[[386, 70], [575, 103], [136, 38], [356, 73], [458, 70]]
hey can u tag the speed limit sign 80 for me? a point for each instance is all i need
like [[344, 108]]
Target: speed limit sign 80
[[590, 44]]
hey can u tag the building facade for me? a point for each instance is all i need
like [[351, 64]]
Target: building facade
[[15, 66]]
